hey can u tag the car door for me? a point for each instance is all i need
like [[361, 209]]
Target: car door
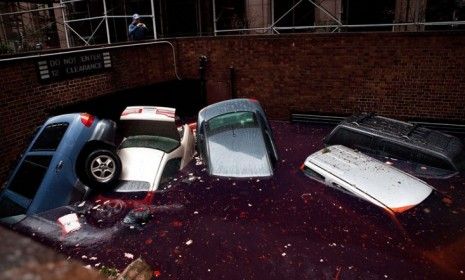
[[58, 182]]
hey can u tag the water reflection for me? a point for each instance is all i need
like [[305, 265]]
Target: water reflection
[[284, 227]]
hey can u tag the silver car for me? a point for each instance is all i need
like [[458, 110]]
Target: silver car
[[235, 139]]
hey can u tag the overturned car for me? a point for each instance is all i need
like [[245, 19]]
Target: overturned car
[[68, 156], [381, 136], [359, 175]]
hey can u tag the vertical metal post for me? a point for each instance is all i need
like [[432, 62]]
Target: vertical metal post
[[153, 20], [64, 23], [232, 81], [3, 29], [199, 18], [106, 21], [203, 60], [214, 17], [272, 15]]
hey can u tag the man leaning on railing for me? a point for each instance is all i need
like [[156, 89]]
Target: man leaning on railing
[[137, 29]]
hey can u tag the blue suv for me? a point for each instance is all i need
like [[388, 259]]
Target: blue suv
[[68, 156]]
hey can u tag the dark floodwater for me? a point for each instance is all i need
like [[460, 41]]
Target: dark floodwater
[[286, 227]]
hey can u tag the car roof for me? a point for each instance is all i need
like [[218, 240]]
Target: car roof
[[386, 184], [63, 118], [404, 132]]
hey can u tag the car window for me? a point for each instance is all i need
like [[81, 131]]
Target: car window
[[29, 176], [396, 150], [137, 127], [351, 138], [10, 208], [50, 137], [433, 161], [230, 121], [459, 160], [171, 168], [164, 144], [313, 174]]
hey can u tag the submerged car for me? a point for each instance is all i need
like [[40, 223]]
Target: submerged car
[[235, 140], [153, 148], [382, 136], [359, 175], [68, 155]]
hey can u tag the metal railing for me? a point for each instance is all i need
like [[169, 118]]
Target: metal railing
[[68, 31]]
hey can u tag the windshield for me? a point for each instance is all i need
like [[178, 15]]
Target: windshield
[[231, 121]]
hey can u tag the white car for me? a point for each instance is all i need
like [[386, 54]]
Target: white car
[[359, 175], [153, 148]]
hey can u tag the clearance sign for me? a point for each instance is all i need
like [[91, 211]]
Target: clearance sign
[[69, 66]]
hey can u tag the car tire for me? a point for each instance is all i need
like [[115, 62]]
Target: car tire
[[102, 169]]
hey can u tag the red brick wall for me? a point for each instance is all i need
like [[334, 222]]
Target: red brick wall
[[24, 101], [404, 75]]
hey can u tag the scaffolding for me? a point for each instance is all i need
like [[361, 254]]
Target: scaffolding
[[91, 22], [102, 19], [411, 21], [71, 28]]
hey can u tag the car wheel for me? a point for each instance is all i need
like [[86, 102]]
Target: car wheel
[[102, 168]]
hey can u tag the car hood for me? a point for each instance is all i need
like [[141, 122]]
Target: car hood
[[140, 164], [238, 153]]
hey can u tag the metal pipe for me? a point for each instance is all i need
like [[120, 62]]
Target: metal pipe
[[100, 17], [199, 17], [106, 21], [65, 25], [153, 20], [232, 81], [272, 12], [98, 49], [72, 1], [214, 17], [3, 29], [84, 19], [29, 11], [243, 29], [128, 16], [346, 26]]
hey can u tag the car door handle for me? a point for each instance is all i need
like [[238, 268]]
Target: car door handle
[[59, 166]]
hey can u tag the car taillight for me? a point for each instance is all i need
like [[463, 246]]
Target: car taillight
[[87, 119], [193, 126]]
